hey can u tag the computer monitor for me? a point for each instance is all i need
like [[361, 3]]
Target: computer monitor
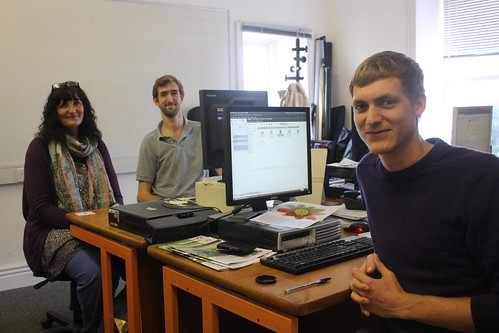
[[472, 127], [212, 105], [267, 154]]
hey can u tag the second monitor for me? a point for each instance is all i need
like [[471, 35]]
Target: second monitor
[[212, 105]]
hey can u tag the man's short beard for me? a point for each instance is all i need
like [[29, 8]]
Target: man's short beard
[[169, 114]]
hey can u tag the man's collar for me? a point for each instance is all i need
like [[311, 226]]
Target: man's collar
[[188, 125]]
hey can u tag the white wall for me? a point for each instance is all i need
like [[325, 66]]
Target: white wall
[[360, 28], [357, 29], [436, 121]]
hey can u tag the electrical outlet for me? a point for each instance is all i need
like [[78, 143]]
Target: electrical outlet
[[19, 175]]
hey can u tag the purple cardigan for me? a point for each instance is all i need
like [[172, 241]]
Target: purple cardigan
[[40, 190]]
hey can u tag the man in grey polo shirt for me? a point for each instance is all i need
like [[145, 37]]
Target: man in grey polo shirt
[[170, 157]]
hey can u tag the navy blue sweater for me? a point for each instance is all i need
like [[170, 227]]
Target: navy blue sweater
[[436, 226]]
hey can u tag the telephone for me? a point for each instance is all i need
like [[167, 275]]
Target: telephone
[[353, 200]]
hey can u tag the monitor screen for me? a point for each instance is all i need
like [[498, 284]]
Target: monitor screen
[[212, 104], [267, 154]]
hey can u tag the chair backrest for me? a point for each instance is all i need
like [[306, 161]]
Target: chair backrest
[[25, 204], [194, 114], [75, 306]]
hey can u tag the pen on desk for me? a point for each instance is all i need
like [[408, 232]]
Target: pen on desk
[[321, 281]]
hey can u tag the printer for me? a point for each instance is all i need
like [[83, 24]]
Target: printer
[[161, 221], [278, 238]]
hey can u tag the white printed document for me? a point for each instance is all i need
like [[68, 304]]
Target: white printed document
[[295, 214]]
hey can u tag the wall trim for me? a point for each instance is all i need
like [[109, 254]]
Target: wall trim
[[17, 277]]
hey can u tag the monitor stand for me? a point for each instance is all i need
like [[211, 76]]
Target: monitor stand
[[243, 216], [247, 214], [259, 206]]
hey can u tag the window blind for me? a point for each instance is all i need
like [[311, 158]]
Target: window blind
[[471, 27], [277, 30]]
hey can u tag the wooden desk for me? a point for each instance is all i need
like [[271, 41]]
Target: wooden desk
[[237, 292], [144, 301]]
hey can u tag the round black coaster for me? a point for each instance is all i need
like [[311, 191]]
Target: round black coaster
[[266, 279]]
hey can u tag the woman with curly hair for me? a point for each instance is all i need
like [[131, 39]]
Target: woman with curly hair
[[68, 168]]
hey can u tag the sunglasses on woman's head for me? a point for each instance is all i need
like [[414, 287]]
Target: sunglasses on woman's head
[[65, 84]]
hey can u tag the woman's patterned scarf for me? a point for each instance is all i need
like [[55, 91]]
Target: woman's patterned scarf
[[68, 192]]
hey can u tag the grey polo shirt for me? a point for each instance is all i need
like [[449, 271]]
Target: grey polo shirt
[[172, 167]]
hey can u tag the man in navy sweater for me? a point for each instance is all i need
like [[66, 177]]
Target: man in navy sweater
[[433, 211]]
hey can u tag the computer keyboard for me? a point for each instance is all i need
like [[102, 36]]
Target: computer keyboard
[[316, 256]]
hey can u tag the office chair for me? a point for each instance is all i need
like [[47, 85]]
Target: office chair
[[67, 326], [194, 114]]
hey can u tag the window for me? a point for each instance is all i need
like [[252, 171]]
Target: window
[[268, 58], [471, 57]]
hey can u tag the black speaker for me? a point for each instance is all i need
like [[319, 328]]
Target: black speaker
[[337, 121]]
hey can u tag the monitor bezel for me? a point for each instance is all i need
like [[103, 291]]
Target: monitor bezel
[[228, 177]]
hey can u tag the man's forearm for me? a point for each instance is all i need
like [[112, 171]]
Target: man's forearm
[[144, 192], [450, 313], [144, 196], [147, 197]]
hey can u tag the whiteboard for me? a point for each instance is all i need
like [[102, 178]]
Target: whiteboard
[[115, 50], [472, 126]]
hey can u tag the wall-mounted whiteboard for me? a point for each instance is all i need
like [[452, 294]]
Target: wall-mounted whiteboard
[[472, 126], [115, 50]]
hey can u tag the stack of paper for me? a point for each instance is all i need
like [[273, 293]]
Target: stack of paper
[[203, 249], [351, 214]]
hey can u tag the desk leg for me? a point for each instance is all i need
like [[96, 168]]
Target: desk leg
[[107, 291], [108, 247], [132, 295], [216, 297], [170, 294], [132, 284], [211, 322]]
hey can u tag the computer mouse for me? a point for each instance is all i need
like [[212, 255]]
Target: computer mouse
[[358, 227]]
